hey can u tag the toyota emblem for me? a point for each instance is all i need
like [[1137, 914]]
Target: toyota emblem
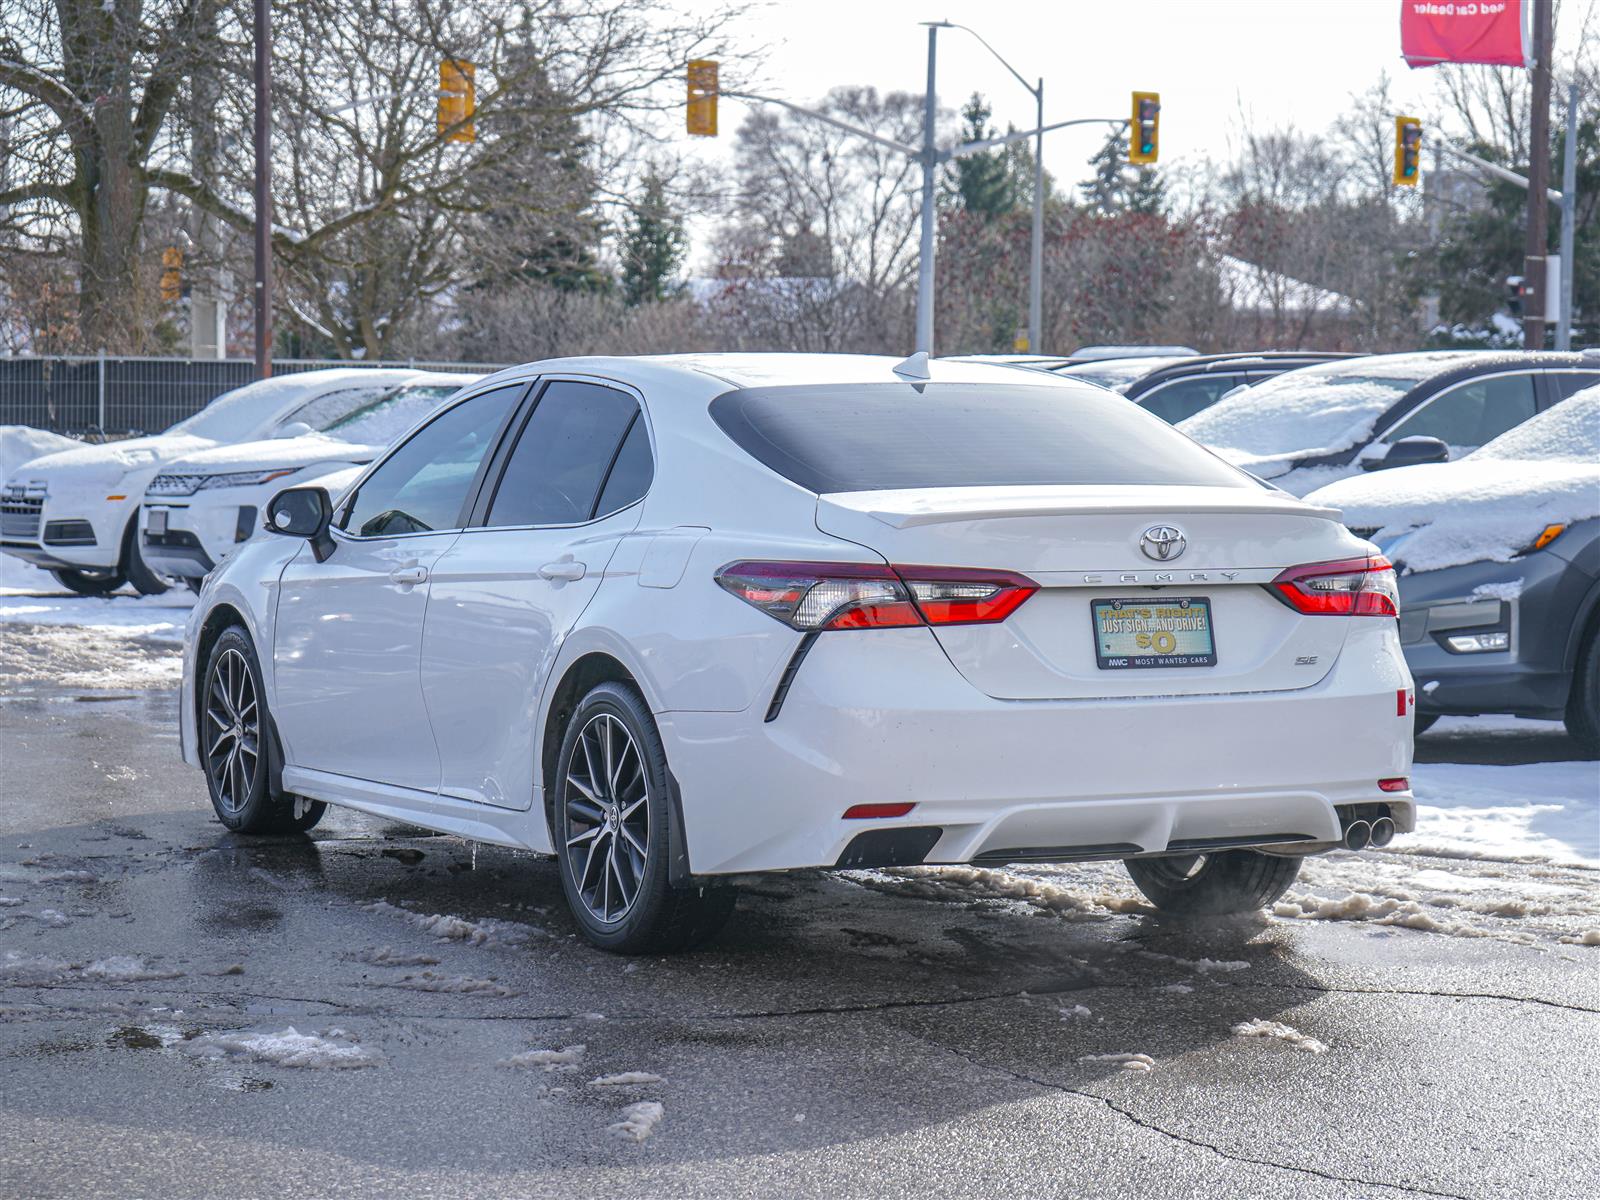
[[1162, 542]]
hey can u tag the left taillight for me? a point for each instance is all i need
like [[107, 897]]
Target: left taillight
[[813, 596], [1351, 587]]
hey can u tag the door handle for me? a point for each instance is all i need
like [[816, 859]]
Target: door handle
[[406, 576], [567, 569]]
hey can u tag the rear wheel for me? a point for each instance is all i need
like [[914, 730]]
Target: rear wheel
[[1583, 705], [85, 584], [1229, 881], [234, 733], [613, 830]]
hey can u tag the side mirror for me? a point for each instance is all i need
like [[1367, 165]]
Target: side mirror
[[293, 429], [1408, 452], [303, 512]]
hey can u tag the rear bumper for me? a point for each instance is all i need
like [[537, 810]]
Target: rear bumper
[[882, 717]]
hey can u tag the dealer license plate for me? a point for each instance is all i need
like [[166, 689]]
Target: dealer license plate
[[1153, 633]]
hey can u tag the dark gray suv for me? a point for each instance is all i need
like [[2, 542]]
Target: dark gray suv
[[1499, 563]]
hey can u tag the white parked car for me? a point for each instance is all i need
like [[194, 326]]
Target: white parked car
[[203, 505], [75, 513], [679, 619]]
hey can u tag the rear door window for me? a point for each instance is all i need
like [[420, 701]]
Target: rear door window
[[563, 455], [1472, 413], [1570, 383], [873, 437]]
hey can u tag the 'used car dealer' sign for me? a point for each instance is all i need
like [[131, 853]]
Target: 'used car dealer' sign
[[1463, 31]]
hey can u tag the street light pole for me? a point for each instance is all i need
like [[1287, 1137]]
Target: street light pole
[[263, 189], [1036, 246], [1535, 305], [1569, 202], [930, 171]]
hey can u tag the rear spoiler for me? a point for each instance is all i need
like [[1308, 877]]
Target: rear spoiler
[[939, 506]]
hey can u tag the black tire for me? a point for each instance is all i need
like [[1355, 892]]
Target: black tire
[[1583, 705], [1422, 722], [597, 819], [84, 584], [1229, 881], [145, 581], [235, 730], [194, 583]]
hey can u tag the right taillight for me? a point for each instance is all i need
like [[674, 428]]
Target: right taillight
[[1351, 587], [812, 596]]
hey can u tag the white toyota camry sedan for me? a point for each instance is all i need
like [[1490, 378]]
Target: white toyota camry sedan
[[676, 620]]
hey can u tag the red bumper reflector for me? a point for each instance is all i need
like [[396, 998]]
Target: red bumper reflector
[[867, 811], [1401, 784], [1402, 700]]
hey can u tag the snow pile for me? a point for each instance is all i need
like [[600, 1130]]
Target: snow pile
[[1380, 910], [1313, 410], [1077, 1011], [954, 884], [457, 929], [1491, 505], [1128, 1062], [1539, 812], [10, 902], [126, 968], [288, 1048], [17, 967], [1280, 1032], [625, 1079], [387, 956], [565, 1059], [638, 1121], [461, 985], [1203, 965], [1589, 937], [154, 618]]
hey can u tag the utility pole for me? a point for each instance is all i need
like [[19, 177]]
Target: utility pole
[[930, 170], [1533, 270], [263, 79], [1569, 203], [1036, 243]]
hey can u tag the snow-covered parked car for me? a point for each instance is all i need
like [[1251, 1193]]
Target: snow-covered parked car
[[1499, 561], [204, 504], [75, 513], [1307, 428]]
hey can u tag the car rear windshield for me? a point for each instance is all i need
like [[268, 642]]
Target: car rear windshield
[[886, 436]]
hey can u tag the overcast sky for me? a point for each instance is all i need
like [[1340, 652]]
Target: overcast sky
[[1282, 61]]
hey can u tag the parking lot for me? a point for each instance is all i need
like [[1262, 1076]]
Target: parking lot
[[192, 1013]]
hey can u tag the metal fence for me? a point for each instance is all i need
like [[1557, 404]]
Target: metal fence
[[112, 397]]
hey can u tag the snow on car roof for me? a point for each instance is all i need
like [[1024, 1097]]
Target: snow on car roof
[[1315, 410], [1489, 506]]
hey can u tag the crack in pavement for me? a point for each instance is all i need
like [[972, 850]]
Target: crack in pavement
[[1424, 992], [1186, 1139]]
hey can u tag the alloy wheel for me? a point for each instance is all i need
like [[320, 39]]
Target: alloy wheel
[[607, 818], [233, 730]]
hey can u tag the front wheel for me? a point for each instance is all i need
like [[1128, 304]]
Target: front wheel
[[613, 820], [82, 583], [1229, 881], [234, 730], [1583, 705], [145, 581]]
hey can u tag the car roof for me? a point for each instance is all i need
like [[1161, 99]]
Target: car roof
[[1243, 360], [709, 375]]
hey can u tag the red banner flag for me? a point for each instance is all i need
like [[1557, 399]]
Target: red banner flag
[[1463, 31]]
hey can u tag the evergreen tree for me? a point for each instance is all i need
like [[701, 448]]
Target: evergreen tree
[[653, 247], [1117, 185], [987, 184]]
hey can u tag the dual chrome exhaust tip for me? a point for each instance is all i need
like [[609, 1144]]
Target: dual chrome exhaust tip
[[1360, 835]]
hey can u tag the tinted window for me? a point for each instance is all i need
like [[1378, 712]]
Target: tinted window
[[562, 455], [1471, 413], [423, 485], [630, 474], [871, 437], [1185, 397], [1570, 383]]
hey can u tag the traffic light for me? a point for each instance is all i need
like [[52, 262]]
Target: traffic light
[[171, 275], [458, 101], [1407, 151], [1144, 136], [701, 117]]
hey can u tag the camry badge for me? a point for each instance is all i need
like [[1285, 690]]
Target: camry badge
[[1162, 542]]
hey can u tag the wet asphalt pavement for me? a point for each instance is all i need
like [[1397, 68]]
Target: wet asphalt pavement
[[835, 1040]]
